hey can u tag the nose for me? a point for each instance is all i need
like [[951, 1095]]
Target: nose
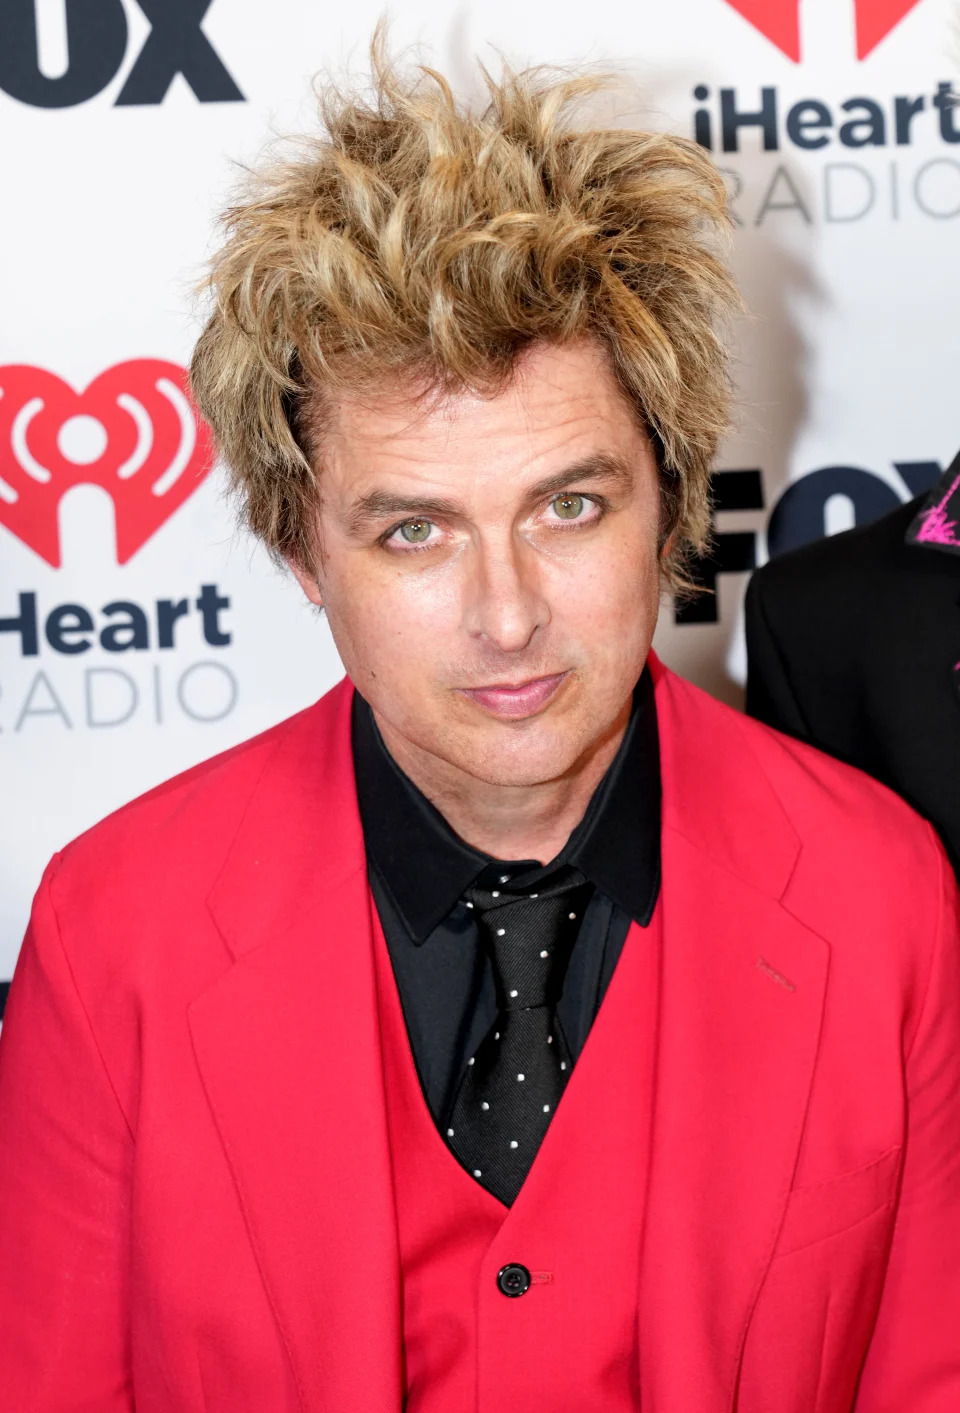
[[504, 600]]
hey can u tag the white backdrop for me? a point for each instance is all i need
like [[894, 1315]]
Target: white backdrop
[[121, 124]]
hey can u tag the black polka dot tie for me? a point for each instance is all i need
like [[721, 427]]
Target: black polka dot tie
[[514, 1082]]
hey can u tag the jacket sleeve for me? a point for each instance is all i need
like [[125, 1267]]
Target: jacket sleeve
[[913, 1365], [66, 1154], [770, 696]]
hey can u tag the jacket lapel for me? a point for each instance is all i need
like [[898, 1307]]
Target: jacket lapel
[[937, 522], [288, 1047], [740, 1014], [937, 526]]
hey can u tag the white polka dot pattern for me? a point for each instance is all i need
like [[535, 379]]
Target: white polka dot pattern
[[516, 1077]]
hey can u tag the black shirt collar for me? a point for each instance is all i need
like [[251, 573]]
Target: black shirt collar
[[426, 867]]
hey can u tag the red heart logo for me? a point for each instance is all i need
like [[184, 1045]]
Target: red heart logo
[[875, 20], [779, 21], [134, 431]]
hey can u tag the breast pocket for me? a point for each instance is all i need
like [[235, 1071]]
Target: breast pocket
[[826, 1209]]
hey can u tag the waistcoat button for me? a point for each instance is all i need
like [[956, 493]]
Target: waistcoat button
[[513, 1280]]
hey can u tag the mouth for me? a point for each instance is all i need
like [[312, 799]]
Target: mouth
[[517, 700]]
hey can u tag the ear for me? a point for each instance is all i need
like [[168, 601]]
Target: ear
[[307, 579]]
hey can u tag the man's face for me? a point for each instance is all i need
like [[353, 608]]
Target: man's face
[[489, 566]]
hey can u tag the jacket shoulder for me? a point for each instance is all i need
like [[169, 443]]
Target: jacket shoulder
[[199, 794], [837, 814], [861, 584], [845, 557], [841, 852], [814, 787], [825, 620], [871, 872], [174, 837]]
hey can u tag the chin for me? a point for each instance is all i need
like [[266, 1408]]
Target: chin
[[523, 761]]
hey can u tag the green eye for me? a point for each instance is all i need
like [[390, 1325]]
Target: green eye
[[569, 507], [415, 531]]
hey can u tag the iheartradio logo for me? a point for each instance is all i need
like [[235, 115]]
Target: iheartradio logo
[[779, 21], [134, 431]]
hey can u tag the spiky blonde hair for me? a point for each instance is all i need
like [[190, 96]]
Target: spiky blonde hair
[[419, 241]]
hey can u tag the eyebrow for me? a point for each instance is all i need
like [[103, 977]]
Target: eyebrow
[[377, 504]]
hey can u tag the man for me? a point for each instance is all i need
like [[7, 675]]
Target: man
[[517, 1026], [854, 644]]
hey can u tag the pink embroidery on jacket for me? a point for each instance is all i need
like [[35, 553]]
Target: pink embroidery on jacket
[[935, 527]]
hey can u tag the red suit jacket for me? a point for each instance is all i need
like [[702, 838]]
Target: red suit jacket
[[193, 1218]]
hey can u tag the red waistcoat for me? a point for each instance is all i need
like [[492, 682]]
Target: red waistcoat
[[570, 1343]]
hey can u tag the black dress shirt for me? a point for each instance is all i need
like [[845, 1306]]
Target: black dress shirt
[[419, 869]]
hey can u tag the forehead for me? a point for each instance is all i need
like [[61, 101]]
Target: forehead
[[560, 402]]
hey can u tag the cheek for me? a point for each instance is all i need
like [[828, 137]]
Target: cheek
[[383, 614], [610, 596]]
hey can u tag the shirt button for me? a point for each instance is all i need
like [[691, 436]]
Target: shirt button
[[513, 1280]]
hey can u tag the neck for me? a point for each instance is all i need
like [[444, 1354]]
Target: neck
[[509, 821]]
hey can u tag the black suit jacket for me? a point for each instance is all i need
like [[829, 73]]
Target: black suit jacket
[[854, 644]]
